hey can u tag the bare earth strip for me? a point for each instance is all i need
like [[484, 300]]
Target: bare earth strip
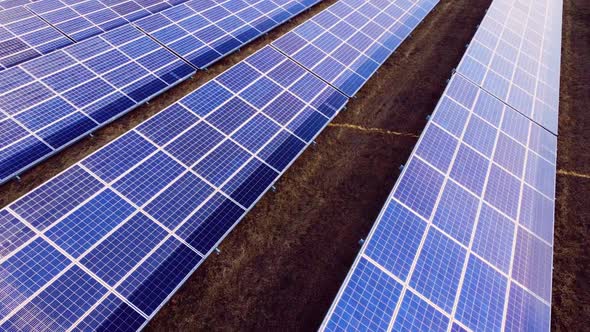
[[571, 258]]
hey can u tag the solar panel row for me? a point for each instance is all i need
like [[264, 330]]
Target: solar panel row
[[346, 43], [106, 242], [206, 30], [465, 238], [201, 32], [24, 36], [50, 102], [516, 55], [82, 19]]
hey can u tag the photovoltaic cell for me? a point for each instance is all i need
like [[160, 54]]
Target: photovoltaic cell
[[56, 198], [481, 303], [60, 97], [25, 272], [532, 264], [155, 278], [124, 248], [438, 269], [416, 314], [396, 240], [84, 227], [24, 36], [112, 314], [494, 238], [370, 298], [439, 149], [456, 212], [139, 215], [526, 312], [60, 304], [13, 233], [469, 235], [346, 43], [419, 176]]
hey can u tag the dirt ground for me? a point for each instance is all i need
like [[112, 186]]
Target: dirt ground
[[571, 257], [282, 266]]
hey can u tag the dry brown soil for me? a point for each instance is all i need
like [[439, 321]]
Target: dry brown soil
[[282, 266], [571, 257]]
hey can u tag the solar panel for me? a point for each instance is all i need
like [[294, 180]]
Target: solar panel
[[346, 43], [24, 36], [82, 19], [201, 32], [110, 239], [466, 236], [516, 54], [49, 102]]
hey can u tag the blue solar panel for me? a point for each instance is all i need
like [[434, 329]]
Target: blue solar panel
[[60, 304], [61, 97], [158, 276], [110, 315], [412, 194], [202, 32], [494, 237], [24, 36], [27, 271], [438, 269], [115, 256], [123, 228], [515, 55], [526, 312], [76, 233], [468, 237], [456, 212], [346, 43], [415, 314], [481, 303], [53, 200], [470, 169], [532, 265], [370, 299], [396, 239]]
